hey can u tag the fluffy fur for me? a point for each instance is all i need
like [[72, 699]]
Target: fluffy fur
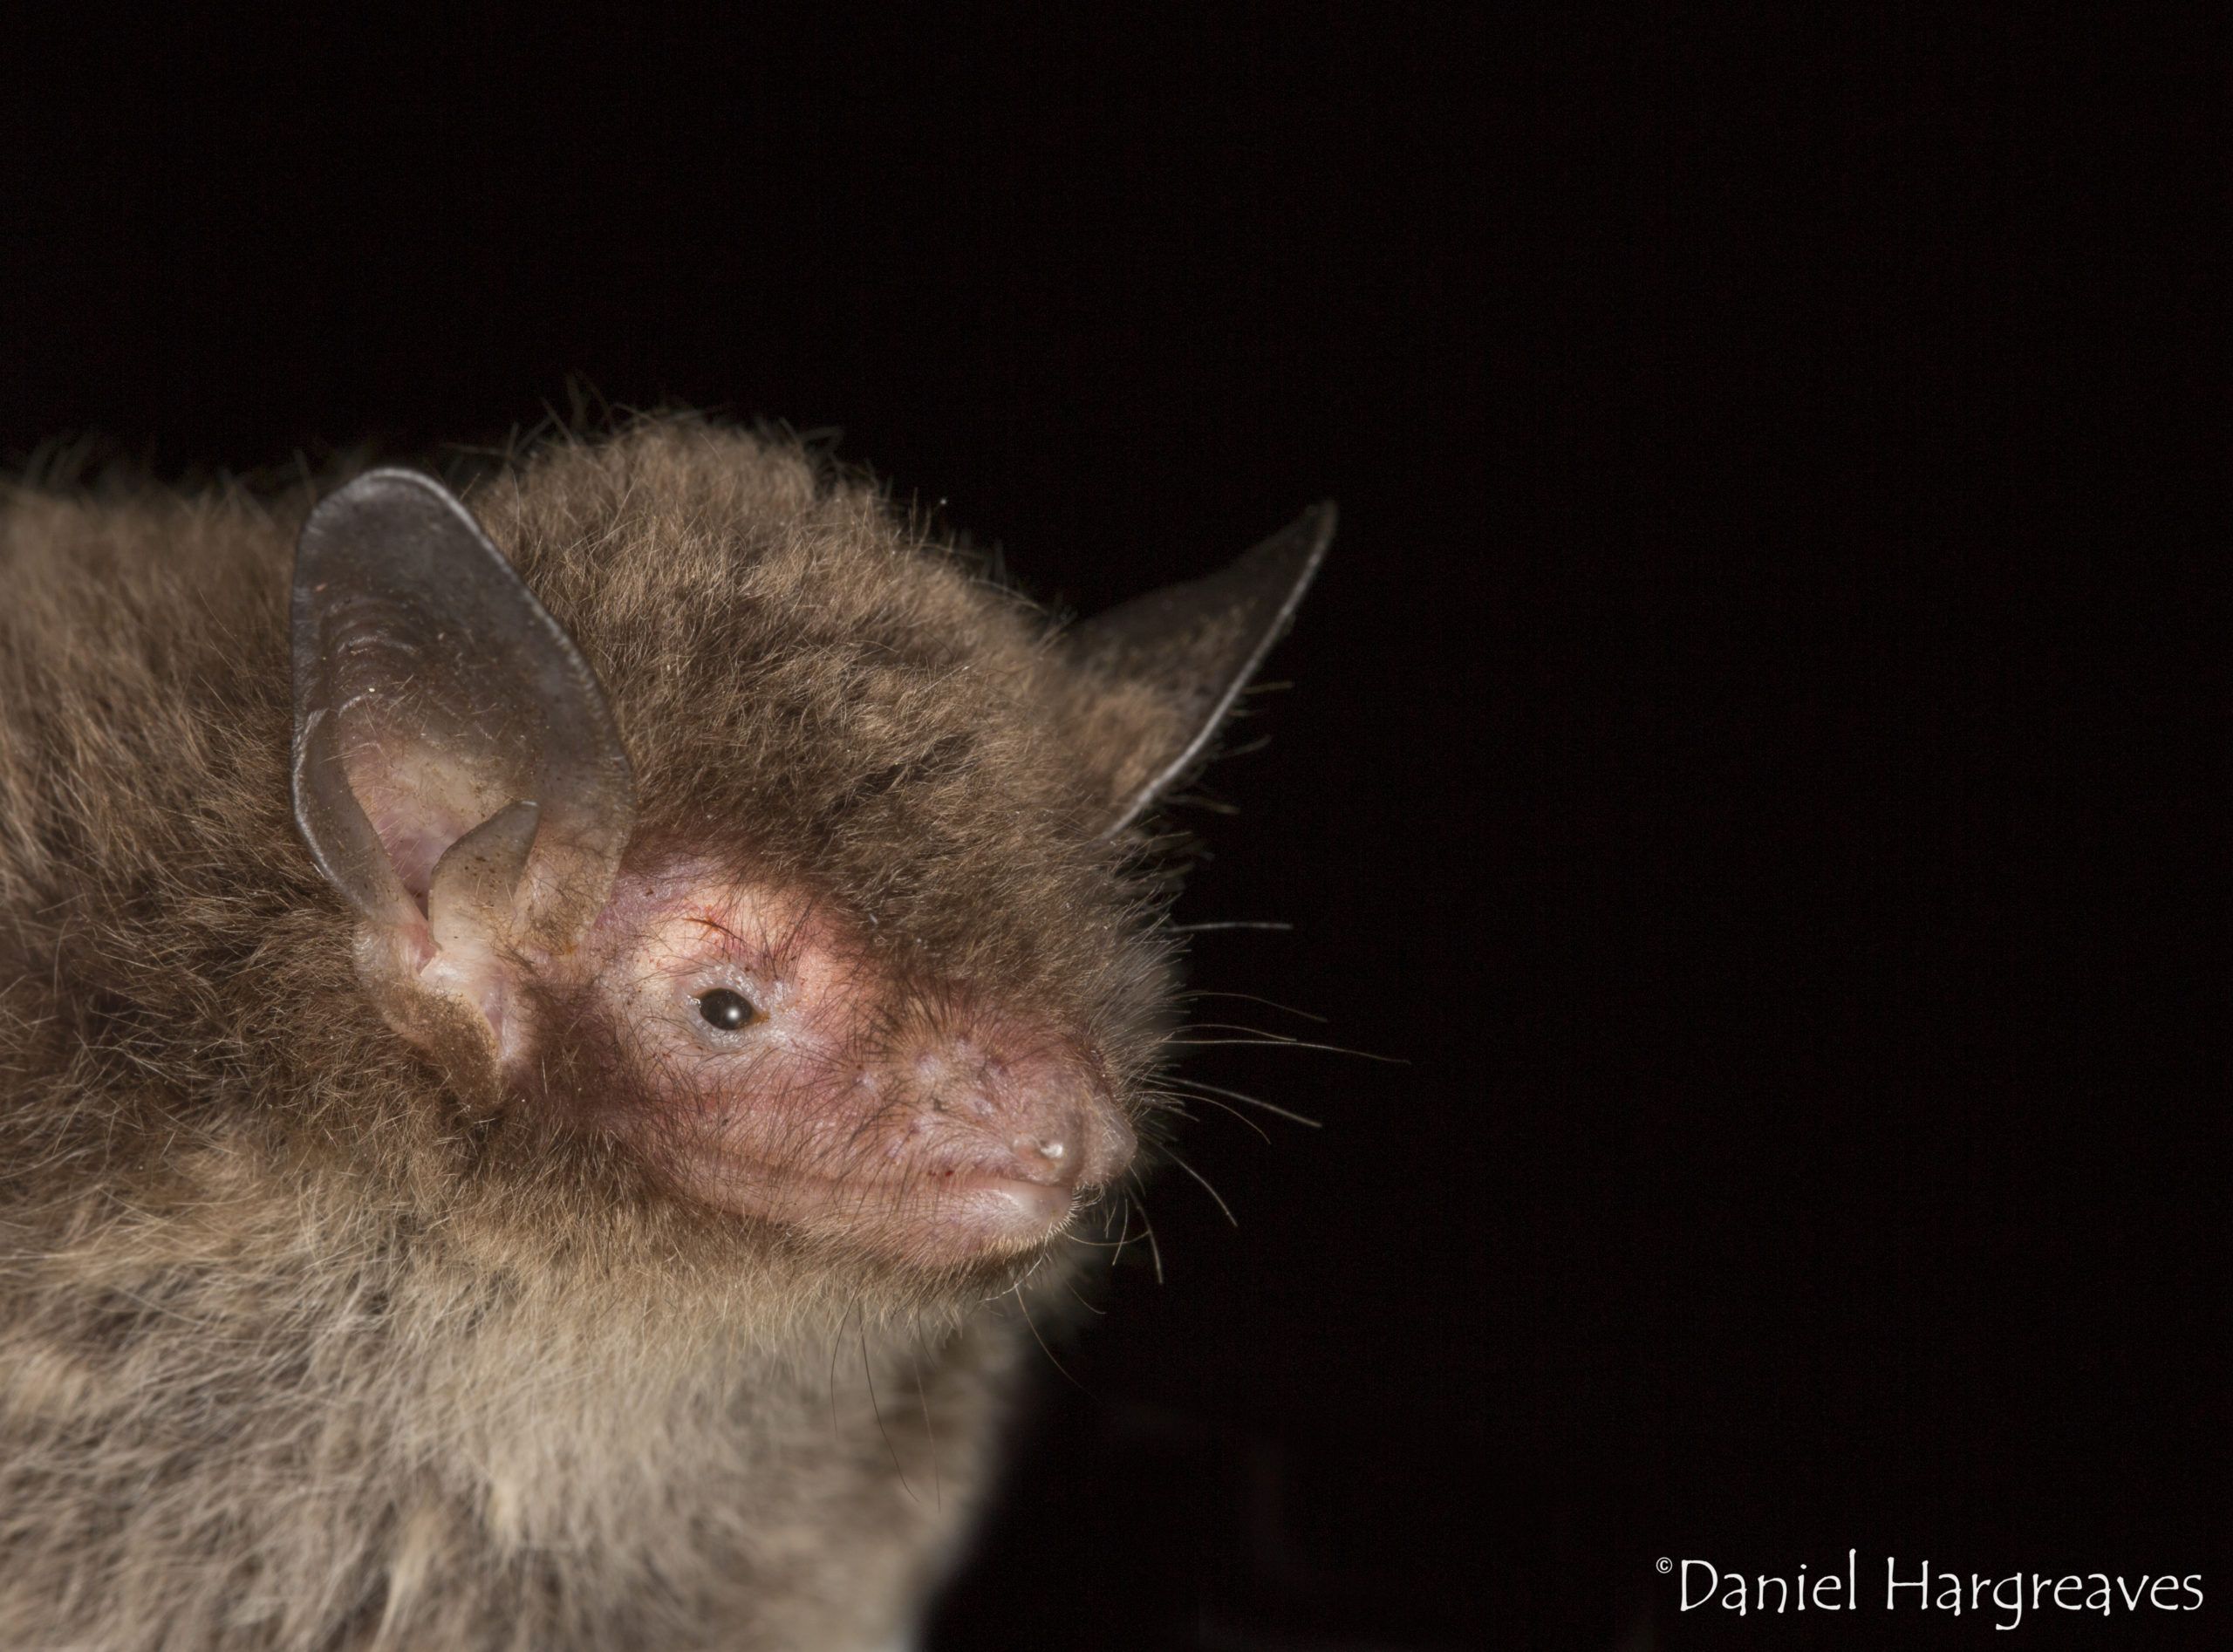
[[296, 1350]]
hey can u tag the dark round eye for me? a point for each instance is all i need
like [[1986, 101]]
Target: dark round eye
[[726, 1010]]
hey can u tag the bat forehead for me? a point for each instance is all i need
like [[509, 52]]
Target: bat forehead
[[780, 648], [688, 907]]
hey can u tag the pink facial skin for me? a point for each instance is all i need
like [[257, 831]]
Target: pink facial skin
[[919, 1126]]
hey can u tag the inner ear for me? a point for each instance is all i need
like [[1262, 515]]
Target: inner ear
[[458, 776]]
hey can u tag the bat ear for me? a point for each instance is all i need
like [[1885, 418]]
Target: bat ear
[[1171, 664], [457, 773]]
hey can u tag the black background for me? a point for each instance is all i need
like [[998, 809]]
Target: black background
[[1733, 760]]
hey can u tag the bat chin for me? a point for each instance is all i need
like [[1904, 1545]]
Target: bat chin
[[976, 1218]]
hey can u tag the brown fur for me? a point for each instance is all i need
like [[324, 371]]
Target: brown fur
[[297, 1349]]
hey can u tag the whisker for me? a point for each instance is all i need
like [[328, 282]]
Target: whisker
[[1041, 1341], [1285, 1044], [870, 1375], [1154, 1250], [1207, 1188], [1236, 1026], [836, 1342], [1177, 1106], [1269, 1003], [1124, 1229], [1239, 923], [1197, 1084], [1097, 1245], [915, 1359], [1117, 1245]]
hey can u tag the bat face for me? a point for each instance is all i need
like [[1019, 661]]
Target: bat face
[[770, 1061], [817, 895]]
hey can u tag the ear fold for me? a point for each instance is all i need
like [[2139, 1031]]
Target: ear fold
[[457, 773], [1173, 661]]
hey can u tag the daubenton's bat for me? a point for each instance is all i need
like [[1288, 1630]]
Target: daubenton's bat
[[546, 1050]]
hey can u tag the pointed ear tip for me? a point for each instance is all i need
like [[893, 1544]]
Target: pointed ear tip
[[379, 476], [382, 480], [1299, 549], [1313, 528]]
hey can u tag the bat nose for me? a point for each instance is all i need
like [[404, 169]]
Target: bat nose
[[1075, 1140], [1045, 1152], [1057, 1122], [990, 1134]]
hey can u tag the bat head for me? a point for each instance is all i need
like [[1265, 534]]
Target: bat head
[[726, 828]]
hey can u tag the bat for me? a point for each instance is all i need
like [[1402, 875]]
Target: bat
[[554, 1039]]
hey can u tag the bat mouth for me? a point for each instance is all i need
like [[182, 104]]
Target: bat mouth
[[933, 1211]]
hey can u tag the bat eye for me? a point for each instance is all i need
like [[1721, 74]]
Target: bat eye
[[726, 1010]]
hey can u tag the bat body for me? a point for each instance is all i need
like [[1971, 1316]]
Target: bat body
[[550, 1042]]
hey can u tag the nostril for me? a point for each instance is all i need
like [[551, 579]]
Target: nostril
[[1047, 1152]]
